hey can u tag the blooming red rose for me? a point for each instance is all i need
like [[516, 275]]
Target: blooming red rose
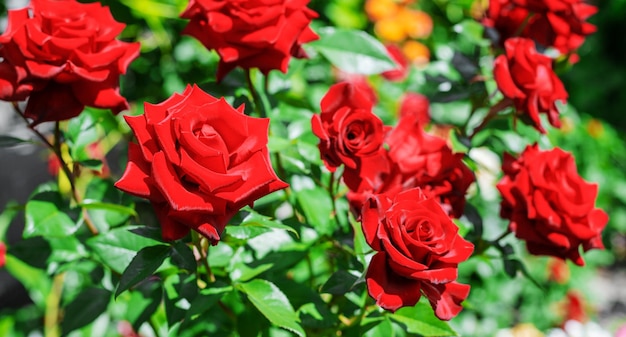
[[251, 33], [350, 134], [551, 23], [402, 64], [3, 252], [63, 56], [418, 250], [526, 77], [417, 105], [198, 161], [426, 161], [549, 205]]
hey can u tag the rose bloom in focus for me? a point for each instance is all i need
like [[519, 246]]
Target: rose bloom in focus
[[250, 33], [198, 161], [549, 205], [62, 55], [418, 250]]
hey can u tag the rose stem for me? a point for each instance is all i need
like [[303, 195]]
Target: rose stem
[[493, 113], [258, 104], [204, 254], [56, 149]]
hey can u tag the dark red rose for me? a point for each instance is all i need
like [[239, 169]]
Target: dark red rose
[[3, 252], [526, 77], [418, 250], [549, 205], [426, 161], [63, 56], [198, 160], [350, 134], [551, 23], [250, 33], [416, 105], [402, 70]]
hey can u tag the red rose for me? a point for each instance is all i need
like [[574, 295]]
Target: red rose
[[418, 250], [402, 70], [251, 34], [551, 23], [426, 161], [198, 161], [416, 105], [549, 205], [3, 252], [526, 77], [350, 134], [64, 56]]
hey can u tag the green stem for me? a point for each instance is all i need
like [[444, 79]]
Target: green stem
[[493, 113], [204, 255], [56, 149], [258, 103], [51, 318]]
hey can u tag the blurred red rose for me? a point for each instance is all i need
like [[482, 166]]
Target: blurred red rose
[[418, 250], [402, 70], [526, 77], [426, 161], [198, 161], [3, 252], [416, 105], [63, 56], [551, 23], [549, 205], [350, 134], [251, 34], [558, 271]]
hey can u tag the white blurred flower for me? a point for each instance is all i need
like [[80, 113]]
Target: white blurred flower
[[577, 329]]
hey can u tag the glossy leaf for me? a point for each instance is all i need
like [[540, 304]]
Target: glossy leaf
[[47, 215], [421, 319], [144, 264], [273, 304], [117, 247]]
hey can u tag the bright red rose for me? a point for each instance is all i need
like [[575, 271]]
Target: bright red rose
[[526, 77], [551, 23], [350, 134], [63, 56], [418, 250], [402, 70], [416, 105], [198, 161], [250, 33], [3, 252], [426, 161], [549, 205]]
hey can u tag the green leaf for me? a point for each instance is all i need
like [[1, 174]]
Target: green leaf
[[144, 264], [317, 207], [182, 256], [36, 281], [85, 308], [117, 247], [6, 217], [8, 141], [107, 206], [339, 283], [421, 319], [179, 292], [46, 215], [353, 51], [273, 304], [256, 219]]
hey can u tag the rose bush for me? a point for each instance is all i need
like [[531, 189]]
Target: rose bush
[[417, 249], [198, 160], [549, 205], [251, 34], [63, 55], [526, 77]]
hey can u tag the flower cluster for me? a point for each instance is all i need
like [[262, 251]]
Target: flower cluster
[[63, 56], [523, 75], [413, 163]]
